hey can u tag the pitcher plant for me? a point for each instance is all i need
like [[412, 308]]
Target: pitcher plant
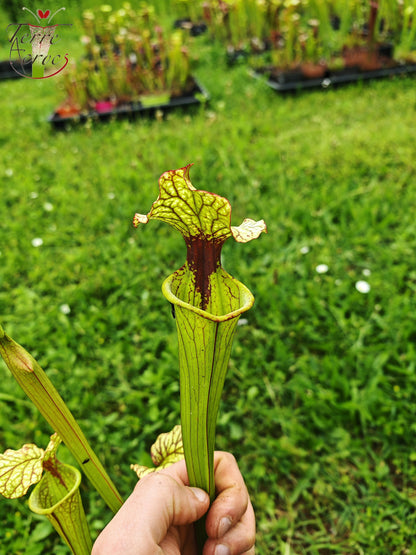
[[40, 390], [56, 495], [207, 304]]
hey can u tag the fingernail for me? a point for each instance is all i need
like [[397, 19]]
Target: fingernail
[[200, 494], [222, 550], [224, 525]]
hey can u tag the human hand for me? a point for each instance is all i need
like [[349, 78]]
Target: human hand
[[158, 516]]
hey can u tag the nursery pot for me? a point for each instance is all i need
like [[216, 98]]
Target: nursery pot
[[313, 70], [155, 99], [104, 106], [57, 497]]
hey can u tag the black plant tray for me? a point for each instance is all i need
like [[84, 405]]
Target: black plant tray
[[132, 110], [7, 72], [293, 81]]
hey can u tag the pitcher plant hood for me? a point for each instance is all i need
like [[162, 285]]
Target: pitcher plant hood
[[204, 220]]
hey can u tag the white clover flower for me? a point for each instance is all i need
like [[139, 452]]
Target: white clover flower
[[33, 195], [366, 272], [242, 322], [111, 196], [65, 308], [48, 206], [37, 242], [304, 250], [322, 269], [362, 286], [8, 172]]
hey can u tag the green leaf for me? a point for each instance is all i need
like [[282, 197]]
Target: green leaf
[[41, 531], [20, 469]]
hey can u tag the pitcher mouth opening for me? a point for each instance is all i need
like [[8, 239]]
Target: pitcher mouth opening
[[36, 506], [246, 299]]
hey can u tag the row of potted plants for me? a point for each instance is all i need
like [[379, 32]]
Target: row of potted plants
[[320, 33], [130, 60]]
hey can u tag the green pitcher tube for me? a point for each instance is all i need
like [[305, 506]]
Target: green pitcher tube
[[57, 497], [205, 341]]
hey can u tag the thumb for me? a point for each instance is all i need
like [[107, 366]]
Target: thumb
[[157, 503], [171, 503], [189, 505], [166, 503]]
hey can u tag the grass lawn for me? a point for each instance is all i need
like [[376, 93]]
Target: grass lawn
[[319, 404]]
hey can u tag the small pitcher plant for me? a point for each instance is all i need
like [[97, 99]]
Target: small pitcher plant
[[57, 492], [37, 386]]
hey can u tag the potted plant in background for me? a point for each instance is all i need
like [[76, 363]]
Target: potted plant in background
[[242, 25], [189, 16], [405, 49]]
